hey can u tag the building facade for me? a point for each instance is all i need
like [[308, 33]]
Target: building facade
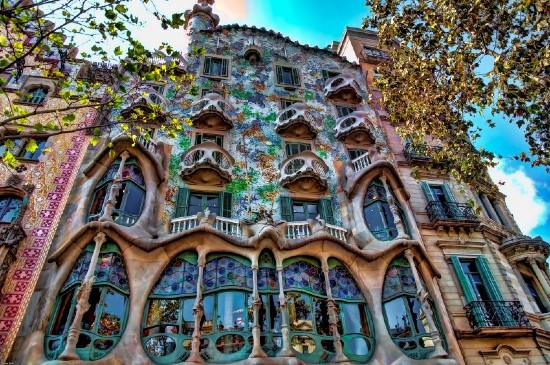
[[281, 227]]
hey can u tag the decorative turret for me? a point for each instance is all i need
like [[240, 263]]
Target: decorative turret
[[201, 17]]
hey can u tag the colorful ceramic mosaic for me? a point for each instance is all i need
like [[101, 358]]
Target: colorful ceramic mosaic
[[399, 279], [343, 285], [305, 276], [179, 278], [226, 271]]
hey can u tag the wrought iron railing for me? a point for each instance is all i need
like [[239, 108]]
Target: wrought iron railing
[[448, 211], [419, 153], [496, 314]]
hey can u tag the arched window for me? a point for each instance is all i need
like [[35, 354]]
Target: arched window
[[305, 290], [130, 198], [104, 322], [404, 317], [355, 321], [378, 215], [10, 206], [226, 324], [169, 322], [35, 95]]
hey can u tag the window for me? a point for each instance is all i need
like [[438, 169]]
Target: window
[[285, 103], [300, 211], [10, 206], [293, 148], [206, 91], [204, 137], [105, 320], [356, 153], [342, 110], [327, 74], [405, 320], [190, 203], [130, 198], [288, 76], [20, 146], [215, 67], [35, 95], [534, 291], [437, 192], [378, 215]]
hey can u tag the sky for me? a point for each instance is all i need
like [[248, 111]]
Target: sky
[[319, 22]]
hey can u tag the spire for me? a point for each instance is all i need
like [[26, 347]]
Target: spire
[[201, 16]]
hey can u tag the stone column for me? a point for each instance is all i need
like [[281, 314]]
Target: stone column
[[82, 304], [198, 312], [333, 316], [422, 296], [257, 304], [115, 187], [523, 285], [394, 209], [489, 208], [503, 217], [286, 350], [540, 276]]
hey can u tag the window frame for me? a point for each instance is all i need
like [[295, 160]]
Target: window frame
[[207, 58], [329, 73], [20, 149], [295, 72], [289, 143], [283, 100], [339, 107], [532, 282], [28, 90], [5, 210]]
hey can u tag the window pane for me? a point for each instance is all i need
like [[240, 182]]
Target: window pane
[[216, 67], [89, 317], [419, 319], [213, 204], [61, 320], [355, 318], [162, 311], [114, 305], [195, 204], [207, 320], [299, 312], [188, 318], [99, 200], [398, 320], [312, 210], [134, 199], [437, 192], [298, 210], [321, 317], [231, 311], [287, 76]]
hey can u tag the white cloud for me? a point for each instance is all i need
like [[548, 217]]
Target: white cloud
[[528, 209]]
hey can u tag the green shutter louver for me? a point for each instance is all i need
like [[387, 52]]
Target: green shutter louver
[[207, 62], [296, 76], [488, 279], [226, 204], [182, 202], [279, 74], [448, 193], [325, 210], [427, 191], [464, 282], [224, 68], [286, 208]]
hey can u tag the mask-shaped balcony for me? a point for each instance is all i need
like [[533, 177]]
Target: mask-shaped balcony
[[207, 163], [355, 128], [177, 64], [146, 106], [211, 112], [304, 172], [296, 122], [343, 88]]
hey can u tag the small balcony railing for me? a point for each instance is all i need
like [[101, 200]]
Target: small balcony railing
[[304, 172], [146, 105], [450, 211], [361, 162], [354, 122], [496, 314], [212, 112], [419, 153], [210, 156], [226, 225], [343, 88], [289, 118], [179, 64], [296, 230]]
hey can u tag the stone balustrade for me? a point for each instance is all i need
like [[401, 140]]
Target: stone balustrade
[[360, 163], [343, 88]]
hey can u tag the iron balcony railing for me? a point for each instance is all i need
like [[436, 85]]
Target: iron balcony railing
[[448, 211], [496, 314], [419, 153]]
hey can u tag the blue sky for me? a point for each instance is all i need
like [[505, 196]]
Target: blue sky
[[319, 22]]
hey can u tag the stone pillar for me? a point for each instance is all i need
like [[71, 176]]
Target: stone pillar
[[489, 208], [82, 304], [503, 217], [394, 209], [422, 296], [286, 351], [523, 285], [115, 187], [540, 276], [333, 316], [198, 312], [257, 304]]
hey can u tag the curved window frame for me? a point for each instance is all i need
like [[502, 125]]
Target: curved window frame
[[381, 211], [35, 95], [11, 209], [100, 320], [405, 298], [123, 199]]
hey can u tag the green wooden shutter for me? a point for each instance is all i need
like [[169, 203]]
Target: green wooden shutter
[[448, 193], [224, 67], [182, 203], [198, 138], [488, 279], [325, 210], [325, 75], [219, 140], [296, 76], [427, 191], [286, 208], [226, 204], [207, 62], [279, 74], [464, 282]]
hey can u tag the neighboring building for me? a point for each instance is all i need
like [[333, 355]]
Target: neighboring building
[[282, 227]]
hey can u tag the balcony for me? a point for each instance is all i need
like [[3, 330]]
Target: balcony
[[374, 55], [355, 128], [452, 214], [496, 314], [343, 88], [296, 122], [207, 163], [211, 112], [297, 230], [177, 64], [304, 172], [146, 106], [361, 162], [419, 154]]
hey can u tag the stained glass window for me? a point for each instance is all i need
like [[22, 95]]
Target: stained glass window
[[227, 271], [130, 198], [304, 275], [103, 323]]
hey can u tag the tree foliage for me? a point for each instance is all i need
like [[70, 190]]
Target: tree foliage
[[455, 60], [42, 38]]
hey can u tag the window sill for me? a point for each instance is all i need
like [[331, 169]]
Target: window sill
[[27, 160], [215, 77], [19, 102], [498, 332]]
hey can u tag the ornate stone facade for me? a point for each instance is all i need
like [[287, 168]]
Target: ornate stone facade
[[272, 231]]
